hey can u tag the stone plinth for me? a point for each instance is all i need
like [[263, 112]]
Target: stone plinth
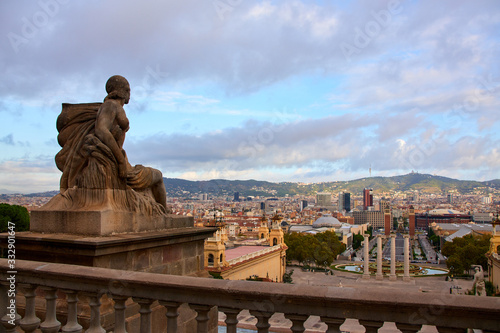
[[102, 222], [175, 251]]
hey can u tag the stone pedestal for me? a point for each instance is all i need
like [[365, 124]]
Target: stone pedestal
[[176, 250]]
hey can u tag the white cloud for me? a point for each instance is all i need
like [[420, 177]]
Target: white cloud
[[412, 83], [29, 176]]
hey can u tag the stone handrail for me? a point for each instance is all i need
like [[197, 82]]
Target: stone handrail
[[371, 306], [253, 255]]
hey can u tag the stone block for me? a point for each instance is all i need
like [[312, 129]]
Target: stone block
[[118, 260], [156, 257], [190, 265], [102, 222], [176, 268], [172, 254], [189, 250]]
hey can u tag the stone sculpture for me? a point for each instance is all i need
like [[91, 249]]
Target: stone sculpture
[[96, 173], [479, 281]]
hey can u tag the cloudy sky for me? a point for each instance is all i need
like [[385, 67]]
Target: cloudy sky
[[301, 91]]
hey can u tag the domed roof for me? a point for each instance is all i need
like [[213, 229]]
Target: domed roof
[[327, 221]]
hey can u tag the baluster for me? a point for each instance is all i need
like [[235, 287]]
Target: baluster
[[408, 328], [50, 324], [145, 312], [72, 325], [262, 320], [7, 323], [202, 317], [333, 324], [371, 326], [172, 314], [297, 322], [120, 314], [9, 327], [95, 314], [231, 318], [30, 322]]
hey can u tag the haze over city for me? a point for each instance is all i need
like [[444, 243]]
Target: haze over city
[[302, 91]]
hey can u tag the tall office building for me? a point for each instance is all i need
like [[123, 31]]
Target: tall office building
[[450, 198], [323, 199], [374, 218], [303, 204], [344, 201], [236, 196], [367, 198]]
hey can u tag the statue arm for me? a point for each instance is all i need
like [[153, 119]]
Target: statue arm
[[104, 123]]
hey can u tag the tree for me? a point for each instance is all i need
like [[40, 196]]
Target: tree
[[323, 255], [16, 214], [319, 248], [287, 277], [466, 251], [434, 239], [370, 231], [356, 241]]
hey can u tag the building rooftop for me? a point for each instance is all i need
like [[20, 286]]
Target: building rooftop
[[441, 211], [470, 226], [242, 250]]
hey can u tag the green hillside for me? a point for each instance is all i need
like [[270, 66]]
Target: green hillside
[[424, 183]]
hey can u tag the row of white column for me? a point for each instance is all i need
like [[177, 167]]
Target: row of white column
[[380, 275]]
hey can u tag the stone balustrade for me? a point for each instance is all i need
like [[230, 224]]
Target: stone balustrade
[[253, 254], [371, 306]]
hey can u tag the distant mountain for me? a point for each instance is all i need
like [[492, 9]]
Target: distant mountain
[[424, 183], [43, 194], [4, 191]]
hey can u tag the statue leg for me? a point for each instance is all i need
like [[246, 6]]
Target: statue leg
[[160, 194], [158, 189]]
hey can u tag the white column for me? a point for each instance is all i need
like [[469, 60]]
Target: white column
[[366, 273], [393, 277], [379, 275], [406, 276]]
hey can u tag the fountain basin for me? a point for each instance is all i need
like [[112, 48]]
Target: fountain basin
[[415, 270]]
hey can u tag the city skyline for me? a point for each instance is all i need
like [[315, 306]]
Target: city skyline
[[297, 91]]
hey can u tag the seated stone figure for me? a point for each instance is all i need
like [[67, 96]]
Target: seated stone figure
[[96, 171]]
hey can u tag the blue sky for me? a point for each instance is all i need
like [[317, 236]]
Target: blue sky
[[301, 91]]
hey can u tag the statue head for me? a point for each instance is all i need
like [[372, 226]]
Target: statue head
[[118, 87]]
